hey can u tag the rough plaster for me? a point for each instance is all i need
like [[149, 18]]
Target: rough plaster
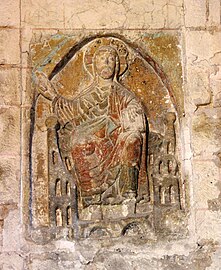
[[198, 23]]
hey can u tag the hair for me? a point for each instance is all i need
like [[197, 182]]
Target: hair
[[110, 49]]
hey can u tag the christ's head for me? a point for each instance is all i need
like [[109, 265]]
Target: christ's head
[[106, 62]]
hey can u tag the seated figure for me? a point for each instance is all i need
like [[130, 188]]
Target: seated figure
[[102, 134]]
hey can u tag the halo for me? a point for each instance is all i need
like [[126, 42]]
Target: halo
[[114, 43]]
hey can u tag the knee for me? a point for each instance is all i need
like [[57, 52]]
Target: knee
[[133, 148], [134, 138]]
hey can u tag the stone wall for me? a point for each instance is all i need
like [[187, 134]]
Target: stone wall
[[198, 24]]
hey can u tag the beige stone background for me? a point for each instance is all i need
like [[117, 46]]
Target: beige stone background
[[199, 24]]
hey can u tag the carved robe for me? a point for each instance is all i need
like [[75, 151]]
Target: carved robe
[[104, 134]]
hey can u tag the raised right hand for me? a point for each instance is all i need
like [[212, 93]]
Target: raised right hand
[[44, 86]]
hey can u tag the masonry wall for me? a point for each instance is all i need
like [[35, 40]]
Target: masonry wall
[[199, 24]]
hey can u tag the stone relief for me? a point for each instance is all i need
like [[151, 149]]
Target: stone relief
[[109, 168]]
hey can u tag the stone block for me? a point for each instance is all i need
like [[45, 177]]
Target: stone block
[[1, 236], [139, 14], [11, 13], [214, 48], [43, 13], [9, 47], [12, 231], [202, 47], [206, 133], [12, 261], [92, 15], [154, 14], [214, 14], [202, 60], [208, 225], [206, 177], [92, 212], [174, 15], [127, 209], [26, 125], [9, 179], [10, 131], [27, 90], [197, 52], [215, 84], [216, 260], [5, 208], [186, 139], [9, 87], [116, 261], [195, 13], [118, 14], [38, 264], [178, 3], [159, 15], [66, 259], [198, 84]]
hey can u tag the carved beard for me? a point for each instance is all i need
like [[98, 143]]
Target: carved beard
[[106, 72]]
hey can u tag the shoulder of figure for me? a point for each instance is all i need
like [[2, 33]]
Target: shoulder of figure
[[84, 92], [76, 97], [123, 91]]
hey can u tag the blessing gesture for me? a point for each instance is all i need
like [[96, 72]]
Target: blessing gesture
[[45, 87]]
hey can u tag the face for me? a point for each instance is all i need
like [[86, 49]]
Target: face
[[105, 63]]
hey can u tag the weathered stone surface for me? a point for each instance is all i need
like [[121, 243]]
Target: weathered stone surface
[[165, 49], [142, 14], [115, 261], [174, 14], [47, 14], [121, 256], [9, 179], [208, 224], [11, 261], [200, 258], [149, 25], [215, 84], [205, 50], [198, 82], [215, 204], [10, 131], [206, 178], [195, 13], [63, 260], [90, 15], [9, 46], [43, 265], [5, 208], [11, 17], [12, 231], [200, 57], [9, 88], [216, 259], [206, 132], [213, 13]]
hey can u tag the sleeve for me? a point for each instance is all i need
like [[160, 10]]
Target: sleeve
[[133, 117], [65, 110]]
